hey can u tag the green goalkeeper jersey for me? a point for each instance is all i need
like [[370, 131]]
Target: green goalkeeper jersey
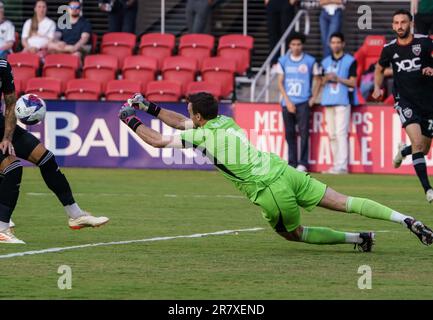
[[226, 145]]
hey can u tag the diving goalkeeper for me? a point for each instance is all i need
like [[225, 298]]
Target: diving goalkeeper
[[264, 178]]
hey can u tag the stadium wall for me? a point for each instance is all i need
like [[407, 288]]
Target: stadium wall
[[89, 134]]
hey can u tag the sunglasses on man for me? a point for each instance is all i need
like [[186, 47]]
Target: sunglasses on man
[[75, 7]]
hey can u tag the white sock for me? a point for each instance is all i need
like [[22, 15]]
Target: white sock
[[353, 238], [4, 225], [74, 211], [399, 218]]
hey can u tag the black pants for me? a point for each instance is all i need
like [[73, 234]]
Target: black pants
[[302, 119], [424, 23], [279, 16], [122, 20], [24, 142], [198, 16]]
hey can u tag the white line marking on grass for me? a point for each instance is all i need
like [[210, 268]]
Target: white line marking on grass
[[227, 196], [196, 235]]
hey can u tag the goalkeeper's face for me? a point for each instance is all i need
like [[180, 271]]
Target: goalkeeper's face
[[195, 117]]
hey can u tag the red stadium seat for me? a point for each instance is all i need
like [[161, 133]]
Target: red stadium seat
[[46, 88], [121, 90], [157, 45], [390, 100], [237, 47], [140, 69], [372, 48], [198, 46], [219, 70], [61, 66], [24, 66], [118, 44], [163, 91], [83, 89], [213, 88], [100, 67], [179, 69]]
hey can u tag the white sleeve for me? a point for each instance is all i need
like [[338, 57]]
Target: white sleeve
[[26, 29], [175, 141], [10, 34], [279, 69], [52, 30], [317, 70]]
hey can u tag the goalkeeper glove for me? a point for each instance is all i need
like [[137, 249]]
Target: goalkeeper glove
[[141, 103], [128, 116]]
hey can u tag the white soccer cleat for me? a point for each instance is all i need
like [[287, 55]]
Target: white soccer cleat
[[429, 195], [301, 168], [6, 236], [398, 158], [12, 226], [87, 221]]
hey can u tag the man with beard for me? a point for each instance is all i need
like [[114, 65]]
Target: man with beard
[[74, 38], [412, 62]]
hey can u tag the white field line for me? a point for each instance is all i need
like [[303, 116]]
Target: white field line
[[227, 196], [100, 244]]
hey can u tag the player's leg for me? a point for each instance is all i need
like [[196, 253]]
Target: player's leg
[[290, 130], [281, 209], [419, 143], [29, 147], [57, 182], [12, 171], [334, 200], [331, 129]]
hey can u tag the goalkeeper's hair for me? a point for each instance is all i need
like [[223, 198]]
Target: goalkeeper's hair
[[205, 104]]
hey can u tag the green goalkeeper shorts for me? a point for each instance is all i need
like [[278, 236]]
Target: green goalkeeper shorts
[[281, 200]]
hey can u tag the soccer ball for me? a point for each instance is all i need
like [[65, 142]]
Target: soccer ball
[[30, 109]]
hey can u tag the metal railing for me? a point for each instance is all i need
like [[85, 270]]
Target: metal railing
[[280, 46]]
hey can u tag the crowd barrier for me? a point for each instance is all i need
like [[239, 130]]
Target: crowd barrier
[[89, 134]]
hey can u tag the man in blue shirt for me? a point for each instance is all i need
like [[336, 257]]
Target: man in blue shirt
[[296, 71], [339, 93], [75, 39]]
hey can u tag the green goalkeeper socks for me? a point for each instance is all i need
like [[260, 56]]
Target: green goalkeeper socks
[[319, 235], [374, 210]]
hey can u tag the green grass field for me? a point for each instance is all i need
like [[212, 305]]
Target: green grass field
[[249, 265]]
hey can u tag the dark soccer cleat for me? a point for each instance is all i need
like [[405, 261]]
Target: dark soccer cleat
[[367, 242], [424, 234]]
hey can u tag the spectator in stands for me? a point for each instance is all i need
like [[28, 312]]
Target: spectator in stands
[[423, 16], [198, 14], [7, 33], [367, 81], [74, 40], [38, 31], [331, 18], [280, 14], [296, 72], [122, 14], [339, 93]]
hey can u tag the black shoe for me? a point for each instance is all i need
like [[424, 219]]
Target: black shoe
[[424, 234], [367, 242]]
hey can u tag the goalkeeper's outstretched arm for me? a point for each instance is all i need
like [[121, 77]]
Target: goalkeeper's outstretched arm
[[170, 118], [148, 135]]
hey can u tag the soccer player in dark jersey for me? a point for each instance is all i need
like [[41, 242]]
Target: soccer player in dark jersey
[[11, 169], [15, 141], [411, 57]]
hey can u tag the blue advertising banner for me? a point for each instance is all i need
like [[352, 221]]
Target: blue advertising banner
[[89, 134]]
